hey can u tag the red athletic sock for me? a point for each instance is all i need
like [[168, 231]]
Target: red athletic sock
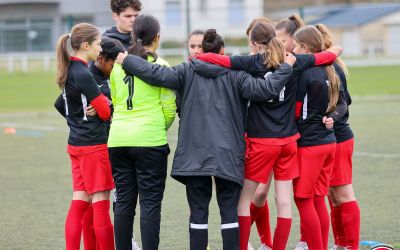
[[351, 223], [102, 225], [254, 211], [337, 226], [302, 231], [263, 226], [73, 224], [310, 221], [89, 237], [282, 232], [244, 231], [323, 215]]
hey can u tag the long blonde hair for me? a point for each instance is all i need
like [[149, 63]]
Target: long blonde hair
[[311, 37], [67, 43], [328, 42], [264, 33]]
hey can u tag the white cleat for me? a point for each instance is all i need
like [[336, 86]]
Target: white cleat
[[264, 247], [301, 246]]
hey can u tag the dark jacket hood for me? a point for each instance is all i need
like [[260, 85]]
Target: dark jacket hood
[[207, 69], [124, 38]]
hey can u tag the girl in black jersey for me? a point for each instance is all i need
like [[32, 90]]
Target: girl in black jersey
[[101, 69], [345, 212], [317, 92], [91, 170]]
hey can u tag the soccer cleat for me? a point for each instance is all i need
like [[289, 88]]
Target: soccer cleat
[[264, 247], [302, 245]]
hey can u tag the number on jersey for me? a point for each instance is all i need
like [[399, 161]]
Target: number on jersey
[[129, 81]]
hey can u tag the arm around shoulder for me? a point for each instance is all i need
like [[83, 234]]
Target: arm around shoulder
[[154, 74], [257, 89]]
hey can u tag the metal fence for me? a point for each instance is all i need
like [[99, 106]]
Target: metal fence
[[45, 61]]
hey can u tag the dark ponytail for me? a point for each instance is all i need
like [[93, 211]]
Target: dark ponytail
[[212, 42], [144, 32], [110, 48], [290, 24]]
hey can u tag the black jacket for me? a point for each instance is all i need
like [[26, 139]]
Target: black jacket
[[124, 38], [214, 105]]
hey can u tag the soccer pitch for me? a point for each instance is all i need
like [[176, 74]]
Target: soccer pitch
[[35, 180]]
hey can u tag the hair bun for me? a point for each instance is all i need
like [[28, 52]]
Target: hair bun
[[210, 35]]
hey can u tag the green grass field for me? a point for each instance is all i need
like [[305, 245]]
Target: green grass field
[[35, 182]]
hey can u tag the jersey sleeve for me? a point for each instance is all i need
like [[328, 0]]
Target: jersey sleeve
[[301, 93], [155, 74], [168, 104], [258, 89], [341, 107], [303, 61], [86, 83], [59, 104], [342, 104], [246, 63], [221, 60]]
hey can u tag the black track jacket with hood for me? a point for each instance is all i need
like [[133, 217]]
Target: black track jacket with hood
[[214, 106]]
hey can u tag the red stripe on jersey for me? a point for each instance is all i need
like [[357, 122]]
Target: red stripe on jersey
[[221, 60], [73, 58], [325, 57], [298, 109], [100, 104]]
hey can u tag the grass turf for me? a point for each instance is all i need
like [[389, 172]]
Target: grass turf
[[35, 180]]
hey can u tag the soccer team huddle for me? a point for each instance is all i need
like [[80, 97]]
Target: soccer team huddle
[[280, 112]]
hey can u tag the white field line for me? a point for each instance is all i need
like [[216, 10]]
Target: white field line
[[376, 155], [376, 98]]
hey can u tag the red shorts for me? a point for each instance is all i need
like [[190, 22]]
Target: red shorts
[[91, 168], [343, 167], [261, 159], [315, 165]]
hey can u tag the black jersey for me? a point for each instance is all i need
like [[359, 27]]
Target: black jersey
[[80, 89], [342, 129], [274, 118], [104, 85], [313, 92]]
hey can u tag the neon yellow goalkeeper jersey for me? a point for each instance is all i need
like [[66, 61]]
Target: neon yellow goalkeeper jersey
[[142, 113]]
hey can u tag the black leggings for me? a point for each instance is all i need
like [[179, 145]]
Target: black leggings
[[199, 192], [140, 170]]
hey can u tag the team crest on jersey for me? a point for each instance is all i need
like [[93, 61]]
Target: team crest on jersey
[[381, 247]]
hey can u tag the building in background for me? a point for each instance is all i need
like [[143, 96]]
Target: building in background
[[366, 28], [35, 25]]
